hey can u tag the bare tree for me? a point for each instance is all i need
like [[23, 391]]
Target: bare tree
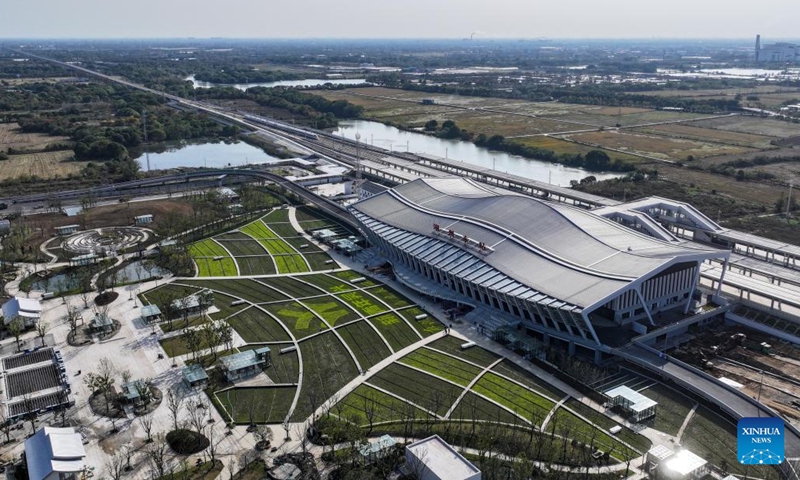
[[146, 422], [41, 330], [126, 376], [116, 467], [101, 382], [31, 411], [213, 443], [15, 328], [197, 416], [193, 339], [157, 455], [174, 405], [211, 338], [5, 425], [370, 407], [128, 451], [231, 470], [73, 315]]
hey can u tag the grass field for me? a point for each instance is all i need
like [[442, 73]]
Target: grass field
[[297, 318], [327, 367], [442, 366], [635, 440], [331, 310], [564, 147], [212, 260], [328, 283], [419, 388], [266, 404], [510, 370], [672, 408], [364, 303], [254, 326], [522, 401], [291, 286], [693, 132], [245, 288], [381, 406], [754, 125], [389, 297], [427, 326], [366, 345], [394, 330], [452, 345], [12, 136]]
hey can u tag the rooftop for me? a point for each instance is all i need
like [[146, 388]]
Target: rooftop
[[194, 373], [54, 450], [639, 402], [241, 360], [564, 252], [150, 311], [23, 307], [442, 459], [684, 462]]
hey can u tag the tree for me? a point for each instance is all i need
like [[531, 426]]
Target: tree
[[175, 406], [86, 291], [225, 334], [101, 382], [211, 338], [116, 467], [41, 330], [157, 455], [146, 422], [73, 315], [597, 160], [15, 328], [5, 425], [31, 411], [431, 125], [193, 339]]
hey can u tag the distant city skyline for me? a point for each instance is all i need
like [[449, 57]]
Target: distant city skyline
[[613, 19]]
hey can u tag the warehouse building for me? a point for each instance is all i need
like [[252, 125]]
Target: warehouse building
[[565, 273]]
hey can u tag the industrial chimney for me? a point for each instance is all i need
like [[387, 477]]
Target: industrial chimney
[[758, 46]]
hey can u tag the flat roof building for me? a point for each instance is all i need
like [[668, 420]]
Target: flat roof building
[[632, 402], [244, 364], [663, 463], [143, 219], [559, 269], [434, 459], [54, 454], [67, 229], [150, 313], [28, 309], [195, 376]]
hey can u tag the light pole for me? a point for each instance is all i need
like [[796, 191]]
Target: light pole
[[760, 384]]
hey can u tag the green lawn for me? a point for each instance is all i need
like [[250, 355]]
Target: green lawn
[[297, 318], [279, 215], [394, 330], [672, 409], [328, 283], [240, 244], [519, 374], [349, 275], [268, 404], [254, 326], [245, 288], [475, 407], [452, 345], [285, 368], [366, 345], [158, 295], [427, 326], [317, 261], [382, 407], [327, 367], [390, 297], [365, 304], [291, 263], [292, 287], [252, 266], [212, 260], [518, 399], [637, 441], [420, 388], [442, 366], [176, 346], [566, 423], [331, 310]]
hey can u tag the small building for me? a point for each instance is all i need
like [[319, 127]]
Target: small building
[[434, 459], [374, 451], [101, 324], [5, 227], [663, 463], [195, 376], [325, 235], [54, 454], [151, 313], [143, 219], [136, 392], [346, 246], [66, 230], [28, 309], [632, 402], [72, 211], [244, 364], [235, 208], [83, 260], [227, 195], [428, 101]]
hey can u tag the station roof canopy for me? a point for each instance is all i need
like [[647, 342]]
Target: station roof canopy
[[638, 402], [563, 252], [150, 311]]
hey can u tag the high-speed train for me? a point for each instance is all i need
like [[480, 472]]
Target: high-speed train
[[281, 126]]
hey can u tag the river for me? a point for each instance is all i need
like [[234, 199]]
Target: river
[[308, 82], [381, 135], [211, 155]]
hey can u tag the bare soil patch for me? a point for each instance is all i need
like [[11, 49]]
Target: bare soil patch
[[12, 136]]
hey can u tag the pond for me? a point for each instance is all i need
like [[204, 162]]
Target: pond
[[308, 82], [200, 155], [381, 135], [60, 282], [136, 272]]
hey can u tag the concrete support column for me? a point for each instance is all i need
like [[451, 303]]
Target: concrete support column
[[598, 357], [571, 348]]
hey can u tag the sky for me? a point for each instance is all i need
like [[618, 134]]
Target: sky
[[399, 19]]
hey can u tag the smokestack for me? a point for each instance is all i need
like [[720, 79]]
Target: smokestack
[[758, 46]]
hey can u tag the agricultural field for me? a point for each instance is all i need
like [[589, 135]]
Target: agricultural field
[[45, 165], [691, 131], [561, 146], [11, 136], [656, 146], [753, 125]]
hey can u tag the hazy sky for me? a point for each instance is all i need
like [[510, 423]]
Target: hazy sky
[[400, 18]]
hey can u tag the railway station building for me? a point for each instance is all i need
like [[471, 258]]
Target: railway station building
[[564, 273]]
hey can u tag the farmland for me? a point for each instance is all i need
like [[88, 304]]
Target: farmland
[[44, 165]]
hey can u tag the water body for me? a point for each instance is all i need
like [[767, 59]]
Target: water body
[[60, 282], [135, 272], [308, 82], [381, 135], [211, 155]]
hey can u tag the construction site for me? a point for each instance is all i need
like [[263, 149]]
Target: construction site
[[762, 366]]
